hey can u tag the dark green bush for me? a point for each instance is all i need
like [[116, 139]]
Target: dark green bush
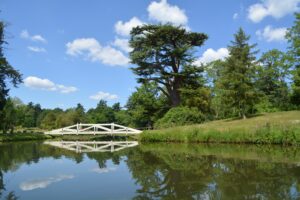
[[180, 116]]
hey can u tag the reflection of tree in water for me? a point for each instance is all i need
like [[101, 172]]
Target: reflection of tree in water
[[13, 155], [103, 157], [1, 183], [163, 174], [11, 195], [170, 172]]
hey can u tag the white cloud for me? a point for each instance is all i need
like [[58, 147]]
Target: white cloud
[[66, 89], [43, 183], [235, 16], [93, 51], [45, 84], [123, 44], [274, 8], [104, 96], [164, 13], [272, 34], [36, 38], [103, 170], [211, 55], [36, 49], [124, 28]]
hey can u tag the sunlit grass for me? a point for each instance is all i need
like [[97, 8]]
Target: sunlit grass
[[271, 128]]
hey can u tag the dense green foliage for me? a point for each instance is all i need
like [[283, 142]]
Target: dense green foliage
[[273, 72], [180, 116], [146, 105]]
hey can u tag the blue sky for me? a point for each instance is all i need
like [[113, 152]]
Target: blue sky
[[76, 51]]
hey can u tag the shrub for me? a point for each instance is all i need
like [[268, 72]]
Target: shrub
[[179, 116]]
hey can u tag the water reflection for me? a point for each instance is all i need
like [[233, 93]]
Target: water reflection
[[193, 172], [44, 182], [95, 146], [103, 170], [151, 171]]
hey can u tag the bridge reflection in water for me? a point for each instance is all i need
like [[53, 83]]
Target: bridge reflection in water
[[92, 146]]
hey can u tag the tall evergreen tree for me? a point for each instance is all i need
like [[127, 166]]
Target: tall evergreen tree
[[7, 72], [238, 74], [164, 55], [293, 37]]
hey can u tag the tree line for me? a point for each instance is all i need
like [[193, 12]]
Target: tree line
[[173, 89]]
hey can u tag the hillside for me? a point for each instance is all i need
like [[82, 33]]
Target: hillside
[[273, 128]]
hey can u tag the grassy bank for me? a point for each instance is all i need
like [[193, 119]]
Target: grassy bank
[[23, 137], [271, 128]]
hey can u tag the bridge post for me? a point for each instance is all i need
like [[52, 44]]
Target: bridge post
[[112, 128], [112, 148], [77, 128]]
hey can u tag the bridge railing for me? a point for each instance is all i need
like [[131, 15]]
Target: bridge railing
[[105, 129], [93, 146]]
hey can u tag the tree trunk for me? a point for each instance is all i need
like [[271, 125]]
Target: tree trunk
[[244, 116], [175, 98]]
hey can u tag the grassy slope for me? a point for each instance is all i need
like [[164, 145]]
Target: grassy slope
[[277, 128]]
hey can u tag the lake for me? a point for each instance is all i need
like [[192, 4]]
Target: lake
[[38, 170]]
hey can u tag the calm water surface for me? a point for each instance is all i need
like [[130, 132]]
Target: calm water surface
[[38, 171]]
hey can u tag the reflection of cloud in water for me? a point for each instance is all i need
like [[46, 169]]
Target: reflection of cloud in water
[[103, 170], [43, 183]]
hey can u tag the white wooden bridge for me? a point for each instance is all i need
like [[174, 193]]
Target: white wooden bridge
[[95, 129], [92, 146]]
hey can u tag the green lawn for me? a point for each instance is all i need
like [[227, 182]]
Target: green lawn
[[271, 128]]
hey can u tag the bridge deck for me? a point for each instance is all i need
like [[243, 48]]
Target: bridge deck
[[94, 129], [93, 146]]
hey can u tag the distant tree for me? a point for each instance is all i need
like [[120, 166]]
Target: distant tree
[[213, 75], [123, 117], [7, 72], [273, 72], [101, 114], [116, 107], [49, 120], [79, 115], [238, 75], [293, 37], [164, 56], [66, 118], [29, 114]]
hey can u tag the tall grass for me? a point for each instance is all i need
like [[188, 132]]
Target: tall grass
[[278, 128]]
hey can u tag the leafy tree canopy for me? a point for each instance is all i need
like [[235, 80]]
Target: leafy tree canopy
[[164, 55]]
